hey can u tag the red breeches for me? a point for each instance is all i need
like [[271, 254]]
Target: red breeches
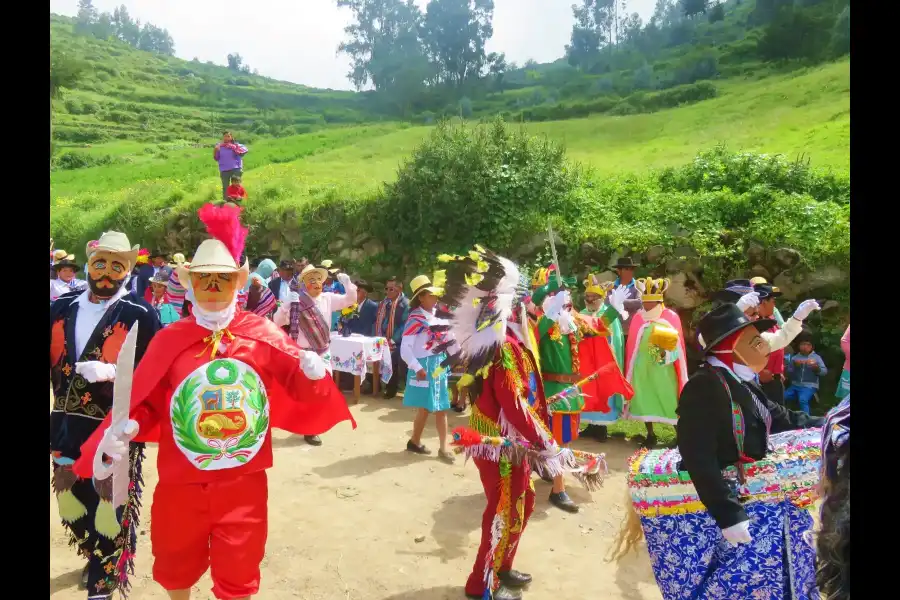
[[221, 525], [519, 498]]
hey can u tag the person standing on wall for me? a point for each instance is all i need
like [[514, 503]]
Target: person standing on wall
[[230, 156]]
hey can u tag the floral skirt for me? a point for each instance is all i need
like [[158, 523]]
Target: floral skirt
[[692, 561]]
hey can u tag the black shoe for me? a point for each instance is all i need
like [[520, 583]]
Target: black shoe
[[84, 576], [514, 579], [503, 593], [649, 442], [390, 395], [596, 432], [420, 449], [313, 440], [563, 502]]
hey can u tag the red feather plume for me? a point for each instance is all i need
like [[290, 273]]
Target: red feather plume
[[224, 224]]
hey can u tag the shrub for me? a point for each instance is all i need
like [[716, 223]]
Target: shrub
[[79, 160], [74, 106]]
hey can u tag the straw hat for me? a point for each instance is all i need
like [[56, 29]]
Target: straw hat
[[422, 283], [213, 257], [311, 270], [114, 242]]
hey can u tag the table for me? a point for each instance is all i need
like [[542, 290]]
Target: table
[[354, 354]]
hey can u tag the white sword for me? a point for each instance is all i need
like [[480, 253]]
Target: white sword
[[121, 408]]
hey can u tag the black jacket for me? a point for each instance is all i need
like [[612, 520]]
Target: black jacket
[[79, 406], [365, 323], [144, 275], [275, 287], [706, 436]]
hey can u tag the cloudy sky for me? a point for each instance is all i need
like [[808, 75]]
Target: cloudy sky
[[296, 40]]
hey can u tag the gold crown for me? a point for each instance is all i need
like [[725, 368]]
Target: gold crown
[[541, 277], [592, 285], [651, 290]]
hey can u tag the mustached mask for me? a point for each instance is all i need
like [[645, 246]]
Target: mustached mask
[[110, 260]]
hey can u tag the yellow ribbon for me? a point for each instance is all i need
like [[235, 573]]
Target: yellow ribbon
[[214, 340]]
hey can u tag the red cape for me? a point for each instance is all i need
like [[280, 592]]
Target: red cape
[[595, 353], [308, 408]]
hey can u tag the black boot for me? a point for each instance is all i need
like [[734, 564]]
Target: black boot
[[514, 579], [563, 502], [503, 593], [84, 576], [650, 441], [313, 440]]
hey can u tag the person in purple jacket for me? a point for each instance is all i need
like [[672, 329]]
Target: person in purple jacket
[[229, 154]]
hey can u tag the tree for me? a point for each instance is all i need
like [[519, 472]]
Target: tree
[[840, 35], [103, 28], [386, 49], [86, 17], [693, 7], [631, 28], [498, 69], [156, 39], [455, 33], [794, 34], [717, 12], [127, 30], [235, 61], [586, 39]]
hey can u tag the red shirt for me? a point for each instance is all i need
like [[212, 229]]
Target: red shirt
[[236, 191], [213, 418]]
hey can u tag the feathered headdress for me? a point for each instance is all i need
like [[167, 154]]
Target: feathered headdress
[[481, 291], [143, 256], [224, 224]]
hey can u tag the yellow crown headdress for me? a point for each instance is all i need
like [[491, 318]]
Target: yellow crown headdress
[[651, 290], [592, 285], [541, 277]]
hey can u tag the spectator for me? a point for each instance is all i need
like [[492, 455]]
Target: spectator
[[65, 281], [236, 192], [229, 154], [367, 308], [389, 323], [265, 269], [804, 369]]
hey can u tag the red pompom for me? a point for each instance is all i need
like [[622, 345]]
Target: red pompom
[[465, 437], [224, 224]]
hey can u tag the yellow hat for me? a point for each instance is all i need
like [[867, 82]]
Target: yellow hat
[[651, 290], [758, 280], [592, 285], [422, 283]]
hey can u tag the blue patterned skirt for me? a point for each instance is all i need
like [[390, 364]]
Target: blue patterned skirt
[[843, 387], [692, 561], [432, 394]]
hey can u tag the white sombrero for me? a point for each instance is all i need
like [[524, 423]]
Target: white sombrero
[[114, 242], [213, 257], [311, 269]]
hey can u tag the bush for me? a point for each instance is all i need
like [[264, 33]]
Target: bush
[[742, 172], [469, 184], [74, 106], [79, 160]]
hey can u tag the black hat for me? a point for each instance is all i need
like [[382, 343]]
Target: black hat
[[804, 336], [722, 321], [625, 262], [66, 263], [767, 290], [733, 290], [159, 253], [363, 284], [286, 265]]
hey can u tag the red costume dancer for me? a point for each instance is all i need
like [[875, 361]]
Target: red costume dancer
[[484, 290], [209, 391]]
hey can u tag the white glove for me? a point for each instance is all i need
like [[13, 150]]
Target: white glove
[[312, 365], [738, 534], [566, 323], [617, 299], [750, 300], [115, 446], [344, 279], [94, 371], [805, 308], [553, 305]]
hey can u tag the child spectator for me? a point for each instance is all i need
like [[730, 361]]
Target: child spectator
[[236, 192], [804, 370]]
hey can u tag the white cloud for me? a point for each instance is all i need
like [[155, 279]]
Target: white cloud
[[297, 40]]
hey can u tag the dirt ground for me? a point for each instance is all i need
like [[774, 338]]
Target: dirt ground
[[344, 520]]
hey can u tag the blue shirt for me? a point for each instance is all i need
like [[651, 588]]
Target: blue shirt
[[804, 375]]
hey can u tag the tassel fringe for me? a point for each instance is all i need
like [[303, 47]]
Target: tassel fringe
[[629, 536]]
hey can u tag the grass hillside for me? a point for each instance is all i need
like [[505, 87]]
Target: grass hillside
[[805, 113], [127, 94]]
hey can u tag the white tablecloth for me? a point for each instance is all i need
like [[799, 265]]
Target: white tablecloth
[[352, 354]]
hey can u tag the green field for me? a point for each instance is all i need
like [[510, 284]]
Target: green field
[[804, 113]]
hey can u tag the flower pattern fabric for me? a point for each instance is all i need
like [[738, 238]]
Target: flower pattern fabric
[[352, 355], [692, 561]]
